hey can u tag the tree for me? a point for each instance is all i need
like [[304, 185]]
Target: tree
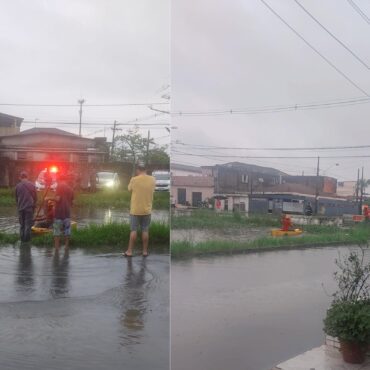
[[133, 147]]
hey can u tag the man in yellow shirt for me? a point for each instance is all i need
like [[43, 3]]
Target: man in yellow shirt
[[142, 188]]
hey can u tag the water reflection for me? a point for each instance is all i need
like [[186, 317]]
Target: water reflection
[[84, 216], [60, 271], [134, 303], [112, 311], [25, 275]]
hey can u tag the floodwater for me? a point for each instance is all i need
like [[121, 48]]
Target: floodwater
[[83, 216], [249, 311], [232, 234], [83, 311]]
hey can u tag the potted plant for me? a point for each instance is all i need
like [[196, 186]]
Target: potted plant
[[350, 323], [348, 318]]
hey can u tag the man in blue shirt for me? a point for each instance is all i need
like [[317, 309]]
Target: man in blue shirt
[[26, 198]]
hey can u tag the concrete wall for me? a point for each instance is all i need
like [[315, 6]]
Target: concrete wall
[[175, 172], [206, 193], [258, 206]]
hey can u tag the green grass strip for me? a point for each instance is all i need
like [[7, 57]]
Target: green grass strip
[[316, 236], [112, 235], [209, 219]]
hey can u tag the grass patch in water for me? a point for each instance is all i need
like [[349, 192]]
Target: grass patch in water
[[314, 235], [8, 238], [7, 197], [113, 235], [209, 219], [106, 198]]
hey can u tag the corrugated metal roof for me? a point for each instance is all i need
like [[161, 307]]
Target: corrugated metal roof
[[52, 131]]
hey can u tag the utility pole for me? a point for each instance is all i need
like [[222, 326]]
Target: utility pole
[[357, 184], [113, 137], [317, 186], [361, 192], [80, 101], [147, 150]]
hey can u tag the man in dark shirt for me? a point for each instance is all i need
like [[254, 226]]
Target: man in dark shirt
[[62, 220], [26, 198]]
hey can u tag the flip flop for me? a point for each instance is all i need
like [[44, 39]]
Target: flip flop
[[145, 255], [124, 254]]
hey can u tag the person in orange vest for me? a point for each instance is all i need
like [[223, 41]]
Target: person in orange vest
[[366, 213], [286, 223]]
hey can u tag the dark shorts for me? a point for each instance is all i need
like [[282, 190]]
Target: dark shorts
[[142, 222]]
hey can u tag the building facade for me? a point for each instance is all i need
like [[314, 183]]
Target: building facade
[[191, 190], [9, 125], [35, 149]]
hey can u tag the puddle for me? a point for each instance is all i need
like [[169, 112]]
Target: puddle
[[82, 310]]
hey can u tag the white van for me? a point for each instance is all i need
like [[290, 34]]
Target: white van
[[162, 180]]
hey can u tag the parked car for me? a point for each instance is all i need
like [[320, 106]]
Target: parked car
[[42, 179], [162, 180], [107, 180]]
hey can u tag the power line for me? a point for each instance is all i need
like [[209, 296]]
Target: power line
[[359, 11], [268, 157], [207, 147], [77, 105], [91, 125], [276, 108], [332, 35], [314, 49]]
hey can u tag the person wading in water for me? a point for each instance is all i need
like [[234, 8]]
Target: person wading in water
[[142, 188]]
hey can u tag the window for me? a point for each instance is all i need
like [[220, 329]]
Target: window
[[83, 158], [22, 156], [244, 179]]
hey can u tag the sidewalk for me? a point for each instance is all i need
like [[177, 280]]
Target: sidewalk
[[321, 358]]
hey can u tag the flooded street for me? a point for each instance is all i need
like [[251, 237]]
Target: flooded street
[[83, 310], [234, 234], [83, 216], [249, 311]]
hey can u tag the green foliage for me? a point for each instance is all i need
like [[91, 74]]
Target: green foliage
[[349, 321], [7, 197], [134, 146], [209, 219], [348, 318], [319, 236], [352, 278], [109, 235], [8, 238]]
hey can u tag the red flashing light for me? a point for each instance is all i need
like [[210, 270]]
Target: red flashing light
[[53, 169]]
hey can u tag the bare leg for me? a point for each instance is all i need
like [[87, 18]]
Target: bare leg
[[131, 243], [145, 237], [57, 242], [66, 240]]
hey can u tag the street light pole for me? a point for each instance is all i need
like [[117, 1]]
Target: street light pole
[[80, 101], [361, 191], [317, 185]]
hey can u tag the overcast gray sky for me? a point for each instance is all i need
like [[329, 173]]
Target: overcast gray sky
[[239, 55], [57, 51]]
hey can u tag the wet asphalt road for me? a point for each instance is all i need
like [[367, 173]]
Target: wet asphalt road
[[251, 311], [83, 311]]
